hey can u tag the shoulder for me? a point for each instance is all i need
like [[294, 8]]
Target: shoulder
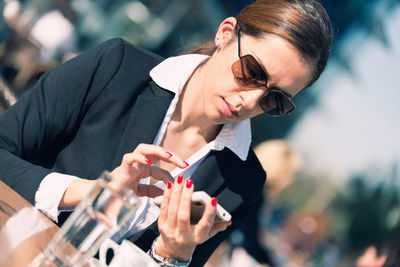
[[114, 61], [114, 54], [121, 48]]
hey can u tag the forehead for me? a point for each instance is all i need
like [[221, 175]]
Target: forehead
[[287, 69]]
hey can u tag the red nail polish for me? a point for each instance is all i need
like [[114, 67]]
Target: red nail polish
[[148, 160], [169, 154], [189, 183], [214, 201], [179, 179], [187, 164], [169, 185]]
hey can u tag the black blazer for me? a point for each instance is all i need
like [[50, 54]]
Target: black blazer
[[83, 116]]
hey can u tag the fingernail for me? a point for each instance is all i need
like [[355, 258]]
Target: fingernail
[[229, 223], [148, 160], [179, 179], [169, 185], [187, 164], [189, 183], [169, 154], [214, 201]]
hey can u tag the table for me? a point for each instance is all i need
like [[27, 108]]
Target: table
[[24, 231]]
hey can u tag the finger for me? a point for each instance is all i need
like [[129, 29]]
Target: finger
[[149, 190], [218, 227], [130, 158], [164, 204], [175, 198], [203, 227], [160, 174], [158, 153], [183, 220]]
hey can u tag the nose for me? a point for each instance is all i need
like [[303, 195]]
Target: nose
[[250, 98]]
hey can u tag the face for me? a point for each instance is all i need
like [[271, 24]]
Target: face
[[227, 100]]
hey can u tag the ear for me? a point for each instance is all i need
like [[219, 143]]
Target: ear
[[225, 32]]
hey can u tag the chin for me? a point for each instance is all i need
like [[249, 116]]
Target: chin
[[216, 118], [217, 121], [223, 120]]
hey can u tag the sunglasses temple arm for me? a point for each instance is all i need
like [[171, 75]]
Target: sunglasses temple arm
[[280, 105], [238, 36], [239, 52]]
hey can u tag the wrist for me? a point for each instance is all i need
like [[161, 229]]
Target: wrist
[[166, 251], [166, 259], [76, 191]]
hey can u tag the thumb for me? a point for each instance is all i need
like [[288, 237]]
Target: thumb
[[145, 190]]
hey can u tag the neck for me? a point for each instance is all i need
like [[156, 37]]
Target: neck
[[190, 114]]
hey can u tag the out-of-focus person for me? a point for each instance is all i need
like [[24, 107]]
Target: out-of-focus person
[[281, 164]]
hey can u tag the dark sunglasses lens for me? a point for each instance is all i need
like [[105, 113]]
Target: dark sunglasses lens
[[248, 72], [275, 103]]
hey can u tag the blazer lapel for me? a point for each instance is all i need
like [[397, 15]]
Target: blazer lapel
[[208, 168], [215, 176], [145, 119]]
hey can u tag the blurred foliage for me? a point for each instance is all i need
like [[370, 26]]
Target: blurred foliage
[[373, 210]]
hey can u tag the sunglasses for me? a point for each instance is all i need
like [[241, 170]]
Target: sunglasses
[[249, 73]]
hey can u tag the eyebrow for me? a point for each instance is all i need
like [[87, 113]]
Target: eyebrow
[[265, 70]]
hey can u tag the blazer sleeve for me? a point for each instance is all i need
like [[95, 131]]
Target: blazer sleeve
[[46, 117]]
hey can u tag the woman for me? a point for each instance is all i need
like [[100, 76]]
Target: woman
[[183, 117]]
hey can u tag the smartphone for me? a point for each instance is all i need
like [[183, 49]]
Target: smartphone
[[199, 200]]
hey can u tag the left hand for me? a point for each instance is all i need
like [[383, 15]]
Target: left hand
[[178, 238], [139, 164]]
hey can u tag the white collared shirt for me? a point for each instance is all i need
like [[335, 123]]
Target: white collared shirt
[[171, 74]]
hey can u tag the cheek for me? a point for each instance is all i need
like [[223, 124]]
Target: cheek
[[211, 103], [221, 75]]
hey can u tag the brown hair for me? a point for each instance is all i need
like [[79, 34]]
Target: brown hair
[[303, 23]]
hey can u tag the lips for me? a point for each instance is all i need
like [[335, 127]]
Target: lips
[[228, 110]]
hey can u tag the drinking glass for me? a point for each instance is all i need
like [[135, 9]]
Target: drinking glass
[[97, 217]]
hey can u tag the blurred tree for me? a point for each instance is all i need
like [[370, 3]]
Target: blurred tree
[[373, 211]]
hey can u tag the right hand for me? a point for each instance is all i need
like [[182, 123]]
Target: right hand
[[178, 237], [134, 166], [139, 164]]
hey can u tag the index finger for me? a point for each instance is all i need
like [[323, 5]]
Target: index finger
[[160, 174], [158, 153], [183, 221], [165, 203]]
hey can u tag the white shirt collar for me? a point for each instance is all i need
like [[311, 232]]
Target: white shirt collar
[[172, 74]]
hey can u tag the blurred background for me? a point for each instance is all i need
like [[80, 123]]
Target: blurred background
[[334, 180]]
